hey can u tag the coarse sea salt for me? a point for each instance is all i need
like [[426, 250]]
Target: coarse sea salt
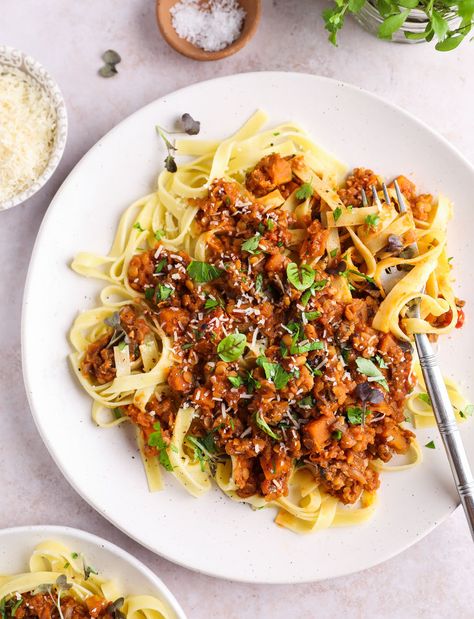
[[212, 25]]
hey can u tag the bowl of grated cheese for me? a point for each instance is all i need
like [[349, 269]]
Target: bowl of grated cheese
[[208, 29], [33, 126]]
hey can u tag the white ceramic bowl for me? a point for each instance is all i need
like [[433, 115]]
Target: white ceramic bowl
[[17, 59], [16, 545]]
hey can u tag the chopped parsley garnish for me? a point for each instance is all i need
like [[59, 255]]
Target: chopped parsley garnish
[[160, 265], [337, 212], [430, 445], [369, 369], [336, 435], [371, 280], [355, 415], [251, 244], [306, 402], [235, 381], [318, 285], [314, 371], [74, 555], [204, 448], [372, 221], [156, 440], [263, 425], [259, 283], [424, 397], [301, 278], [212, 303], [232, 347], [274, 372], [270, 224], [467, 412], [149, 293], [203, 272], [312, 315], [159, 234], [163, 292], [118, 413], [137, 226], [333, 253], [251, 383], [16, 606], [381, 361], [299, 349], [304, 192]]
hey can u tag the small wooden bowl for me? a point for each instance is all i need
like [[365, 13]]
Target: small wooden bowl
[[252, 8]]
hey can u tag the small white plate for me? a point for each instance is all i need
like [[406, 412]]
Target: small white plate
[[213, 534], [133, 578]]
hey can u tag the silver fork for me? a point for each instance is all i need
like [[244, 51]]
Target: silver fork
[[442, 408]]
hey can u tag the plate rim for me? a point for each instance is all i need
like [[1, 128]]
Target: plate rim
[[293, 579], [101, 543]]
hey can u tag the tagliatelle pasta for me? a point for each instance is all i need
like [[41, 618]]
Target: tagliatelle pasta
[[249, 331], [61, 582]]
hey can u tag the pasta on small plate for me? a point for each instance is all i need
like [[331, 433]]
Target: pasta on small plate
[[52, 571]]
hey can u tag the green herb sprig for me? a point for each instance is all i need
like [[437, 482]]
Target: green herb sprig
[[448, 21]]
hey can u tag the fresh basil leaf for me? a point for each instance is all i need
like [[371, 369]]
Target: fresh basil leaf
[[337, 212], [301, 278], [392, 24], [439, 24], [232, 347], [203, 272], [356, 5], [449, 43]]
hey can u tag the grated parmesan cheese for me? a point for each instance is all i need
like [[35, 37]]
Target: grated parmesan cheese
[[27, 127], [212, 26]]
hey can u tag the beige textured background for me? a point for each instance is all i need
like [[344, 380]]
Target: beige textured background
[[434, 578]]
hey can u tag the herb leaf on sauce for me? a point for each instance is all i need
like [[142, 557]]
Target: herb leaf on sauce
[[202, 272], [301, 278], [232, 347]]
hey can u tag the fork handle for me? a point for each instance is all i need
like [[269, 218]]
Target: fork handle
[[447, 426]]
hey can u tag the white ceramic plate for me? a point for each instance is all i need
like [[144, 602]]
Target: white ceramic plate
[[213, 534], [113, 563]]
